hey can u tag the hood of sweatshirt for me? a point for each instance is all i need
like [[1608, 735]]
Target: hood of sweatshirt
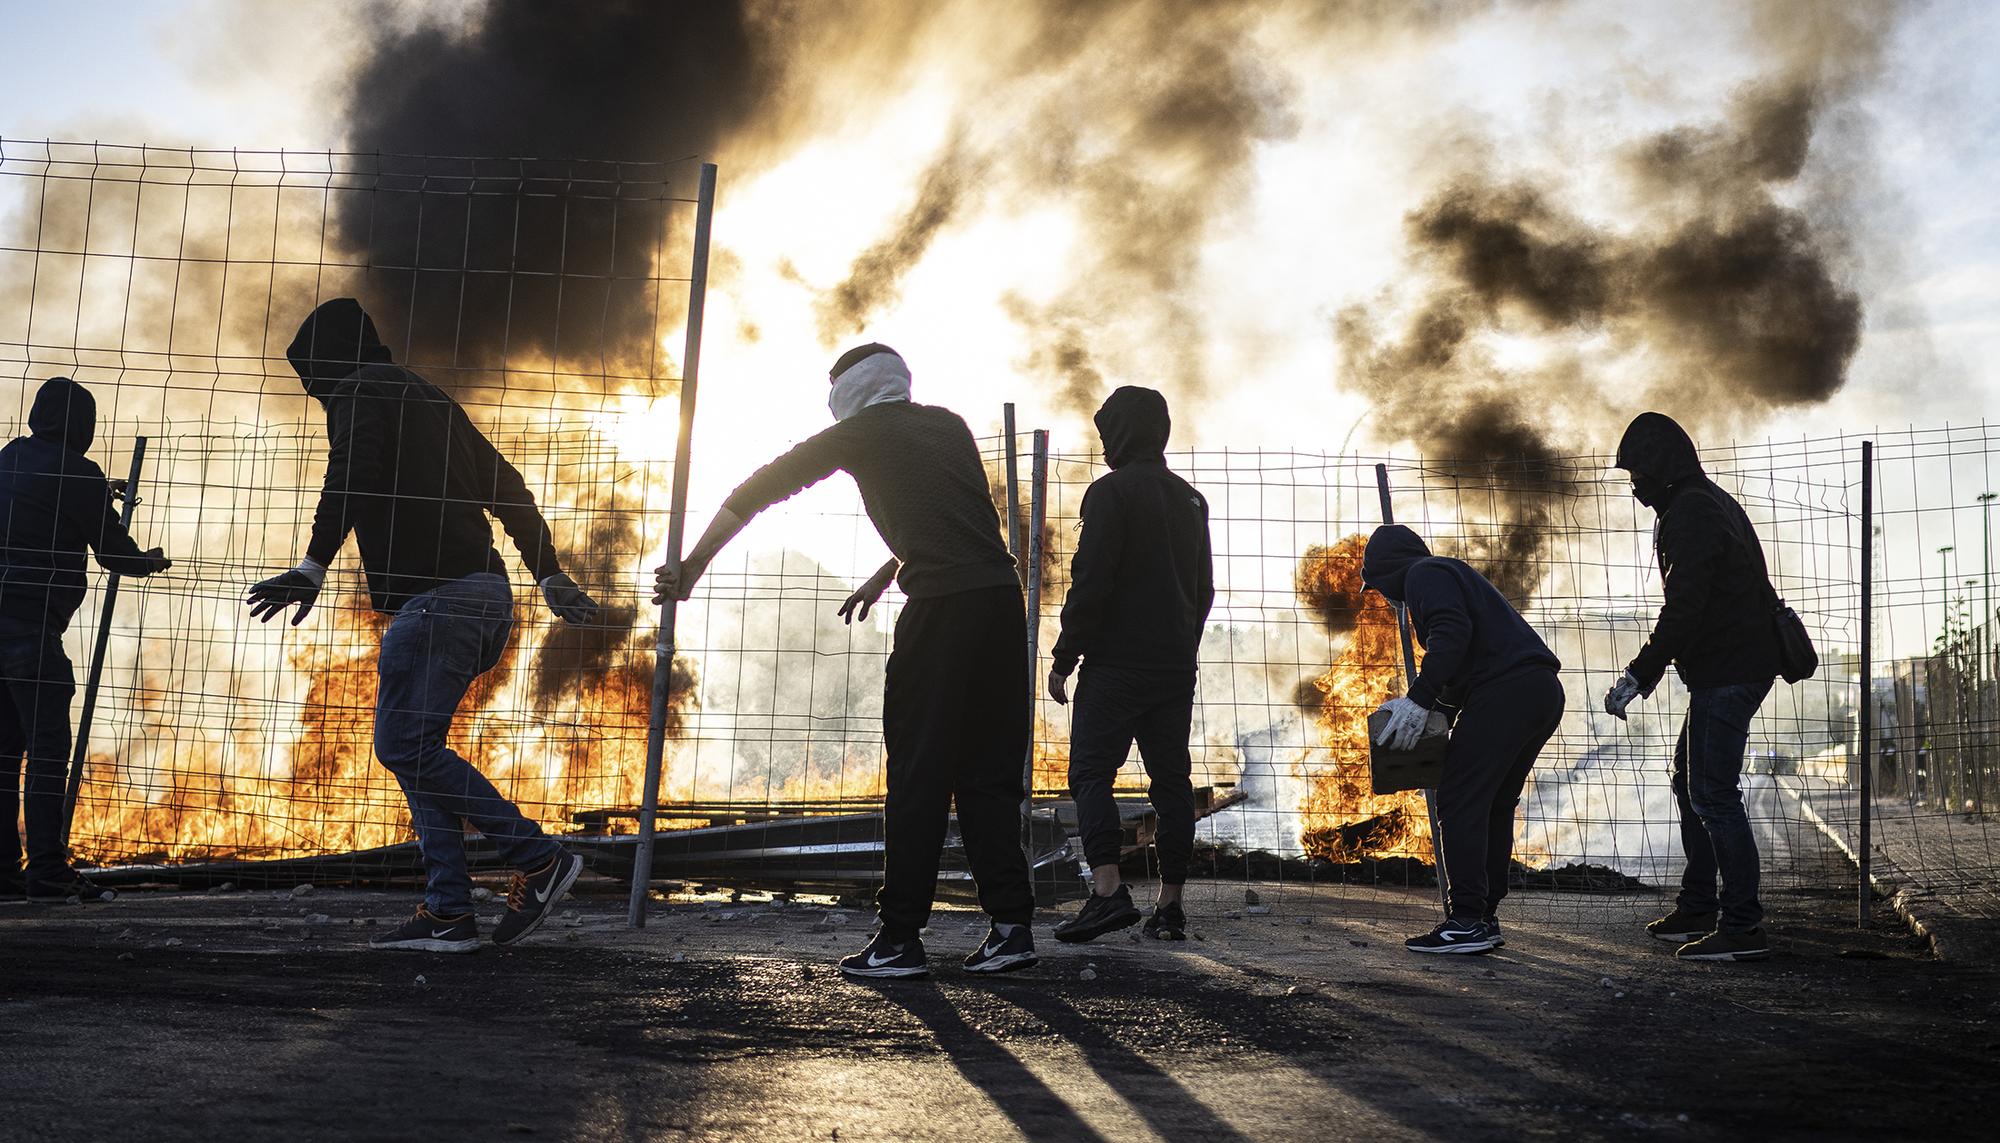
[[866, 375], [64, 412], [335, 340], [1659, 455], [1134, 425], [1391, 552]]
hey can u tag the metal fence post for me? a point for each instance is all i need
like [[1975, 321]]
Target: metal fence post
[[663, 646], [1038, 507], [1409, 677], [1867, 769], [96, 673], [1013, 491]]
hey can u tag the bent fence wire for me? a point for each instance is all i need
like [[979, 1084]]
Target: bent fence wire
[[169, 281]]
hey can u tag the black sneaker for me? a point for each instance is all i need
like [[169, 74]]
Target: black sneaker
[[1680, 927], [1100, 915], [1493, 930], [1454, 937], [425, 932], [1168, 923], [1727, 946], [1014, 950], [74, 888], [531, 896], [886, 958]]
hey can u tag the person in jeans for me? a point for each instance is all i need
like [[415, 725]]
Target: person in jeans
[[54, 503], [1502, 677], [954, 710], [411, 476], [1141, 584], [1715, 627]]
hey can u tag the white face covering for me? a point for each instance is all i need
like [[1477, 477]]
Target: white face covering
[[873, 380]]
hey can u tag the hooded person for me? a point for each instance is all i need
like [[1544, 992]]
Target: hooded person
[[54, 504], [954, 713], [414, 480], [1141, 585], [1715, 628], [1502, 677]]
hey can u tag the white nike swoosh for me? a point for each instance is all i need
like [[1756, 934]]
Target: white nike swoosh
[[990, 950], [440, 933], [877, 962], [542, 895]]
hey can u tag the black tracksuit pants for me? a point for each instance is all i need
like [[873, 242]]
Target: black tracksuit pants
[[955, 721], [1114, 707], [1500, 731]]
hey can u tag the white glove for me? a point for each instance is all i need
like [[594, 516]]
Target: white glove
[[568, 601], [1621, 695], [1405, 725]]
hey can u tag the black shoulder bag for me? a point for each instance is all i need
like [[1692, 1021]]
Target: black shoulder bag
[[1797, 657]]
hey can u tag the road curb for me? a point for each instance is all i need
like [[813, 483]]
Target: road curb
[[1897, 894]]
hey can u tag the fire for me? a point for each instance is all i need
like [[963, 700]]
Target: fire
[[1343, 820]]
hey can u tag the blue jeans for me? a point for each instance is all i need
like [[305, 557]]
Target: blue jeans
[[1715, 832], [36, 685], [438, 643]]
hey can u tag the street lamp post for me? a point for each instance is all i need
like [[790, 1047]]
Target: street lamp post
[[1944, 587]]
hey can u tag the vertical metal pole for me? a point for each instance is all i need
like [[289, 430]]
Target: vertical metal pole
[[1865, 849], [96, 674], [1409, 677], [663, 646], [1013, 491], [1038, 504]]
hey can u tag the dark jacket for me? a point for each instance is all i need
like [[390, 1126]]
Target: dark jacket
[[922, 483], [1715, 625], [407, 471], [1470, 634], [54, 502], [1143, 579]]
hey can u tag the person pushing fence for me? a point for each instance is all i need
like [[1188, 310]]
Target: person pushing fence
[[954, 703], [54, 503], [411, 476], [1716, 627], [1141, 585], [1480, 655]]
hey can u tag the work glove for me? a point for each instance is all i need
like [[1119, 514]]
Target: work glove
[[1405, 725], [567, 600], [1621, 695], [273, 595], [157, 562], [866, 596], [1059, 687]]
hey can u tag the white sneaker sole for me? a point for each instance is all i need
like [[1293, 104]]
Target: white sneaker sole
[[1008, 963], [885, 973], [1468, 947], [427, 944], [563, 884], [1760, 954], [1680, 938]]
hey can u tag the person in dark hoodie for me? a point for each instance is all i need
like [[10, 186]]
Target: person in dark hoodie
[[1480, 651], [954, 710], [411, 476], [1141, 584], [54, 503], [1715, 627]]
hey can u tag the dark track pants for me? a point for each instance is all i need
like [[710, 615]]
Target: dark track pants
[[1114, 707], [36, 685], [955, 721], [1500, 731]]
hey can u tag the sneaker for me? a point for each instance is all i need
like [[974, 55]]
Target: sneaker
[[1681, 927], [74, 888], [1727, 946], [886, 958], [1100, 915], [531, 896], [1493, 930], [1454, 937], [1168, 923], [1012, 950], [427, 932]]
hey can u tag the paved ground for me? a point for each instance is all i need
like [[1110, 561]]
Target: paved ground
[[255, 1015]]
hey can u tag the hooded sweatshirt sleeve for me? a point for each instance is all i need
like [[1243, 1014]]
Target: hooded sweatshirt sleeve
[[359, 442], [86, 500], [1443, 624], [1092, 573], [508, 499], [1692, 536]]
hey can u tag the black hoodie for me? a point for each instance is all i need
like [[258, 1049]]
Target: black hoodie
[[1142, 580], [1470, 634], [407, 471], [1715, 625], [54, 502]]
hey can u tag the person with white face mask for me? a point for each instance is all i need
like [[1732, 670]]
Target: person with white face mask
[[954, 710]]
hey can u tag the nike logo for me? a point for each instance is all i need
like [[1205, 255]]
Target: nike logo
[[877, 961], [435, 933], [542, 895], [990, 950]]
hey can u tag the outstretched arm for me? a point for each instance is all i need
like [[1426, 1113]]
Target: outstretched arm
[[677, 580]]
